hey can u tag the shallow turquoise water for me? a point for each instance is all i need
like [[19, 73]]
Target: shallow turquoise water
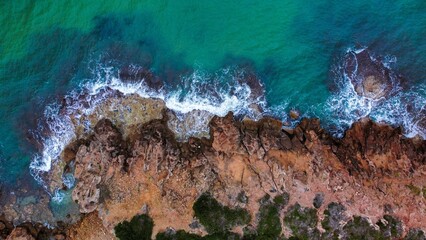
[[48, 47]]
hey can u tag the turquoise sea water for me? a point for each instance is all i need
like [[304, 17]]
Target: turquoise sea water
[[48, 48]]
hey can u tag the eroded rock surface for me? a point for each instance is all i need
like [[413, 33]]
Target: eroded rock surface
[[94, 164], [372, 171]]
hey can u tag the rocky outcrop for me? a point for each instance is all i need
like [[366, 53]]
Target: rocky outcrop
[[369, 76], [372, 171], [380, 149], [95, 162], [120, 172], [126, 112]]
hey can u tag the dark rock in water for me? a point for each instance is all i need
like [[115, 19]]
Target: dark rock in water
[[254, 83], [136, 74], [369, 76], [294, 114]]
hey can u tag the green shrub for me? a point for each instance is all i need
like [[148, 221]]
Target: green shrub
[[269, 226], [360, 229], [333, 216], [415, 234], [414, 189], [302, 222], [282, 199], [391, 227], [139, 228], [217, 218]]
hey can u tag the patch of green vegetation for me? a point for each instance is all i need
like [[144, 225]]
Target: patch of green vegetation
[[333, 216], [302, 222], [282, 200], [217, 218], [360, 229], [390, 227], [269, 226], [139, 228], [414, 189], [415, 234], [249, 233]]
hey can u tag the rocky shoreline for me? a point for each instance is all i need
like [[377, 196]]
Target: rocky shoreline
[[132, 166], [373, 171]]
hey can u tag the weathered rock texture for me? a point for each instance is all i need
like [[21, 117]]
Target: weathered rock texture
[[372, 171]]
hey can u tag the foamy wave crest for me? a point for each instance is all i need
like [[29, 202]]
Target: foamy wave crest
[[216, 93], [219, 95], [53, 145], [210, 94]]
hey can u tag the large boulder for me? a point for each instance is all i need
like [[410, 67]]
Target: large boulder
[[369, 76], [95, 163]]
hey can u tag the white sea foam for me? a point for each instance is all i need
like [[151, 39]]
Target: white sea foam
[[63, 133], [406, 109]]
